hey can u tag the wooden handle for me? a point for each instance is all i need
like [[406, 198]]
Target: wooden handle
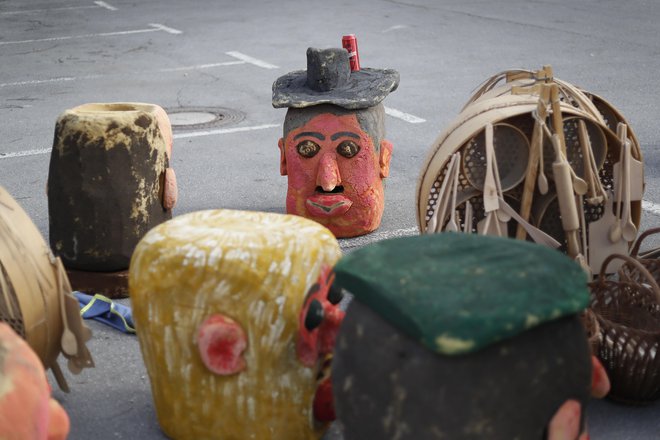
[[585, 145], [535, 160], [535, 233], [490, 185], [570, 221], [557, 121], [621, 131], [568, 210], [59, 377]]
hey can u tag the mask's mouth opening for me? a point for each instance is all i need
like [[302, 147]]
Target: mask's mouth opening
[[325, 368], [336, 190], [323, 405]]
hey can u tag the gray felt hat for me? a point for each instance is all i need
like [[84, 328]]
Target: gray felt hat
[[329, 80]]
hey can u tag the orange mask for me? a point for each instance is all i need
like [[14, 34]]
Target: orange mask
[[26, 408]]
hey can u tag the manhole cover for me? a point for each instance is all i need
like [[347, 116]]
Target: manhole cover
[[196, 118]]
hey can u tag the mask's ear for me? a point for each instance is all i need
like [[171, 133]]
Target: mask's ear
[[600, 383], [280, 144], [385, 157], [565, 424]]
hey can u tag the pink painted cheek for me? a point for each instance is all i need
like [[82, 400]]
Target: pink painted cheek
[[360, 172], [363, 217], [301, 177], [363, 185], [221, 342], [372, 198], [301, 183], [301, 172], [367, 208], [307, 348], [295, 201]]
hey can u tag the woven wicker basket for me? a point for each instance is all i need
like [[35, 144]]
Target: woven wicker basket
[[504, 83], [35, 295], [648, 259], [628, 314]]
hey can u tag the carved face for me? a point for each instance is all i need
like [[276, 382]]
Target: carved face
[[319, 319], [319, 322], [335, 174]]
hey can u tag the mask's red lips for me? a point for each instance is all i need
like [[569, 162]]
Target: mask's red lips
[[328, 204]]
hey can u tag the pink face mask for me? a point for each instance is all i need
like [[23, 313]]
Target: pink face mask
[[319, 322], [319, 319], [335, 174]]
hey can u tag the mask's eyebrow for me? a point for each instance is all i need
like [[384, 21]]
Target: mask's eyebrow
[[350, 134], [313, 134]]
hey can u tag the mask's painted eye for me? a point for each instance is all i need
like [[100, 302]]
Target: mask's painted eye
[[348, 149], [308, 148], [335, 295], [314, 315]]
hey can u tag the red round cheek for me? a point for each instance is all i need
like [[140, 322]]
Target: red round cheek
[[221, 342], [301, 171], [362, 181]]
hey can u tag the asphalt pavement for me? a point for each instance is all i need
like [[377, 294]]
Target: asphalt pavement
[[223, 56]]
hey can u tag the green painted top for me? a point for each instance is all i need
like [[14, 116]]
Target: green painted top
[[457, 293]]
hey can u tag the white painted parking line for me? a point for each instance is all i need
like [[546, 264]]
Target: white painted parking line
[[201, 66], [403, 116], [106, 6], [395, 28], [32, 11], [40, 81], [176, 136], [169, 30], [25, 153], [163, 70], [249, 59], [155, 27], [223, 131]]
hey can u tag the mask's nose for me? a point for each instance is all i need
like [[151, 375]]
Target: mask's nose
[[328, 174]]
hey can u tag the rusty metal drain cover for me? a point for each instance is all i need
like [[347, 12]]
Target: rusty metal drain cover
[[199, 118]]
